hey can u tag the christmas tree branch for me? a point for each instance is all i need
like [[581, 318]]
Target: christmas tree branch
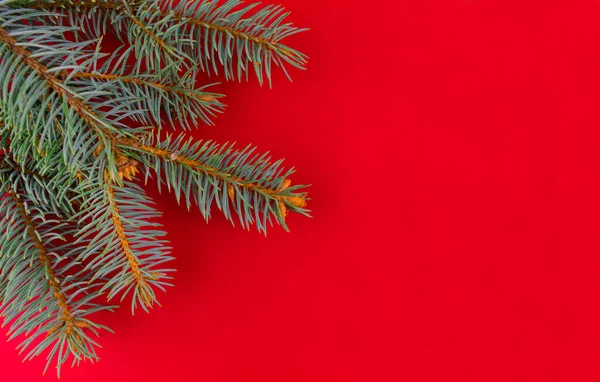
[[151, 49], [252, 35], [28, 270], [253, 187], [81, 108], [52, 189], [297, 201], [75, 226], [157, 95], [142, 287], [145, 82], [202, 30], [177, 13], [65, 313], [7, 164], [121, 243], [62, 101], [39, 188]]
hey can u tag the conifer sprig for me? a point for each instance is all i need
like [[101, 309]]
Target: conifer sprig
[[39, 296], [241, 182], [219, 36], [121, 243], [48, 192], [157, 100], [79, 124]]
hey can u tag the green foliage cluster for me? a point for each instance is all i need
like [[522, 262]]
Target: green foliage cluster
[[78, 123]]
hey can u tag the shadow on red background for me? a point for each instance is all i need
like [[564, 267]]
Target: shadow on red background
[[452, 148]]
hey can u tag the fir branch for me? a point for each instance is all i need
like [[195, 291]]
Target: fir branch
[[48, 192], [222, 32], [52, 80], [145, 82], [146, 297], [31, 121], [151, 49], [250, 185], [65, 312], [121, 242], [254, 34], [34, 300], [205, 31], [8, 163], [74, 224], [46, 182], [180, 101]]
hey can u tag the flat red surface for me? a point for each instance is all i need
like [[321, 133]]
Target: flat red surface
[[453, 151]]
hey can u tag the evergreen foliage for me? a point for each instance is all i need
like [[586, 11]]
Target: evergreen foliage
[[79, 123]]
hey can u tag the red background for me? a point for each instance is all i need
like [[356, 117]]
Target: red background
[[452, 148]]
